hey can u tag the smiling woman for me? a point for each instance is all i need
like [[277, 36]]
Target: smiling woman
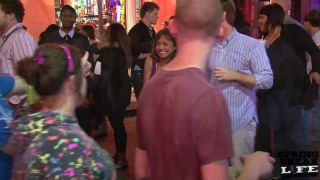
[[164, 50]]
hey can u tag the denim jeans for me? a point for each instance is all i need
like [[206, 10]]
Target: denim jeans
[[315, 118], [306, 125]]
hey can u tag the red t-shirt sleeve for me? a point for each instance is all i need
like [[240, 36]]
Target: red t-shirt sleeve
[[140, 136], [211, 128]]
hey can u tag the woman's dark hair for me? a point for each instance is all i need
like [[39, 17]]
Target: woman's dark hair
[[166, 33], [313, 17], [50, 29], [275, 15], [89, 29], [13, 6], [48, 68], [116, 33], [147, 7]]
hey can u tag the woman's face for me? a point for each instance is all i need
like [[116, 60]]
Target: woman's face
[[262, 23], [164, 47]]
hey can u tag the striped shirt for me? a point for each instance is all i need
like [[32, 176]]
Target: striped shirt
[[244, 54], [15, 45]]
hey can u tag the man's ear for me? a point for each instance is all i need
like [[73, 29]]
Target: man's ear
[[224, 16], [11, 16], [173, 28]]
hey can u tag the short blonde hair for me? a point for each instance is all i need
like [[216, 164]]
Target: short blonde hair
[[199, 15]]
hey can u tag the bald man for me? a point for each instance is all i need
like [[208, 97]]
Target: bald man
[[286, 6]]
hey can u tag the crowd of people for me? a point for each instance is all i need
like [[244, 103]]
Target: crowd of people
[[213, 102]]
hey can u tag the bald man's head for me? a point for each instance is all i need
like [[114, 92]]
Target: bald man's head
[[285, 4], [203, 16]]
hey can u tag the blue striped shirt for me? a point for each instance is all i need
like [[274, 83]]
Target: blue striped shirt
[[244, 54]]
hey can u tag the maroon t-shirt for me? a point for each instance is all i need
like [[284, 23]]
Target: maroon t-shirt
[[183, 124]]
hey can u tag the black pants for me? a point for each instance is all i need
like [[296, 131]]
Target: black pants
[[120, 134], [137, 81], [276, 113], [116, 119], [263, 138], [287, 125], [84, 115]]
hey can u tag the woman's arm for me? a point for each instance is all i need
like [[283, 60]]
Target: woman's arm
[[147, 69], [11, 85], [19, 87], [8, 149]]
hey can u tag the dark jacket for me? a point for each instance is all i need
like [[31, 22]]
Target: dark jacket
[[289, 82], [301, 43], [77, 40], [114, 89], [140, 42]]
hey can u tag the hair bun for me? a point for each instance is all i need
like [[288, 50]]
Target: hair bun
[[28, 69]]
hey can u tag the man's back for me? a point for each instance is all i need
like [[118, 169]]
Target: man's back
[[183, 125]]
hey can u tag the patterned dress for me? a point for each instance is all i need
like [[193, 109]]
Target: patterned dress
[[53, 146]]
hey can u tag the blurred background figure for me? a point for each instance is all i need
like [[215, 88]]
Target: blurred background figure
[[286, 6], [90, 32], [240, 24], [312, 25], [141, 40]]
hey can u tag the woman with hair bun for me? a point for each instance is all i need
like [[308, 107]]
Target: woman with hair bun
[[50, 144]]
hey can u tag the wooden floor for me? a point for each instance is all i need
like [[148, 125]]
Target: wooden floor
[[130, 125], [108, 144]]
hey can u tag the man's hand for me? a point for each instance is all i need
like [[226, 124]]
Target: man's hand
[[257, 165], [314, 77], [225, 75]]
